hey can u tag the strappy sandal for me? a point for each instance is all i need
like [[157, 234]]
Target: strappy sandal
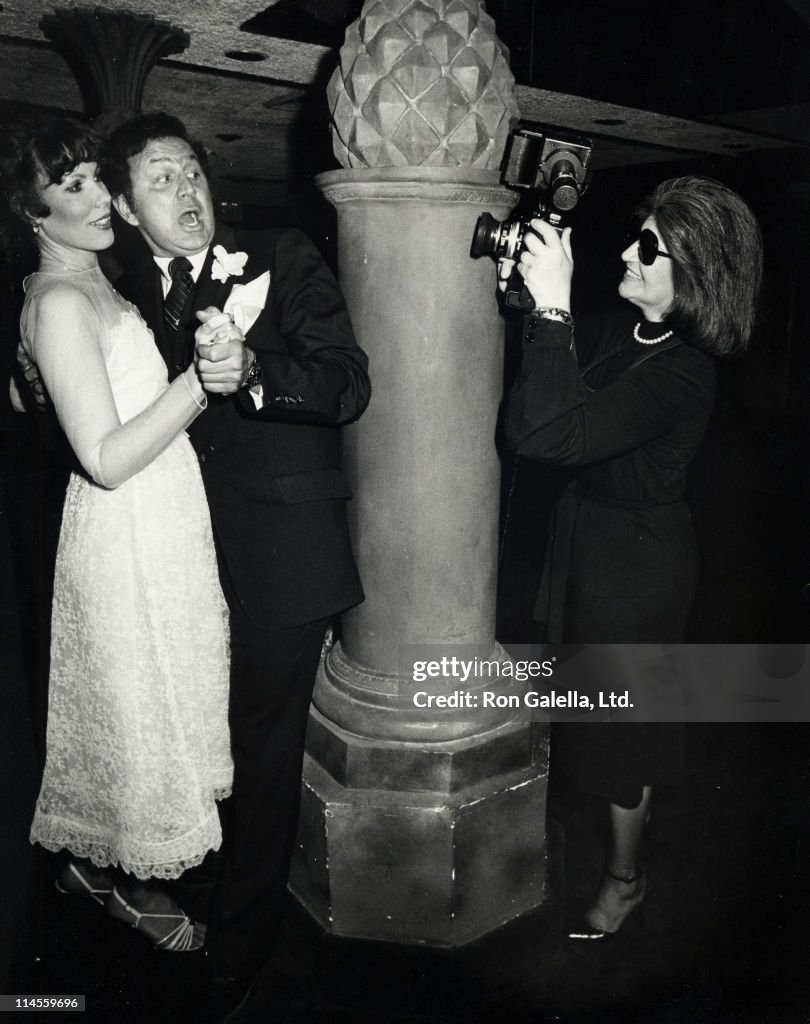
[[180, 939], [584, 930], [84, 887]]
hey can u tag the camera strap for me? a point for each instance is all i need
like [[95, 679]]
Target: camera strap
[[672, 343]]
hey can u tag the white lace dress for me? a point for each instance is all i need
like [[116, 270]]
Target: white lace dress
[[137, 744]]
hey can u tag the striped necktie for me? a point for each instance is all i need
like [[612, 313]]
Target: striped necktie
[[181, 288]]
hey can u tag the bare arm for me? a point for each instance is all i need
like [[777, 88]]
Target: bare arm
[[66, 345]]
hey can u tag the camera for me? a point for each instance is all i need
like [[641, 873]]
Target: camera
[[551, 164]]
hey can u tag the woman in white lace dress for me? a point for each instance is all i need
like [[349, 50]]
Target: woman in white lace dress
[[137, 743]]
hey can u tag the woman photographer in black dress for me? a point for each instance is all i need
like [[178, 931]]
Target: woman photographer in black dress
[[629, 403]]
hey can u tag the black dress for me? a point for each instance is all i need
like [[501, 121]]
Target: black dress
[[622, 561]]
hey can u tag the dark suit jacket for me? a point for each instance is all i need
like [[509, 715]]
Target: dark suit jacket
[[272, 476]]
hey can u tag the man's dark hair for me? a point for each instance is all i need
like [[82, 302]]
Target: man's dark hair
[[716, 247], [130, 139], [42, 155]]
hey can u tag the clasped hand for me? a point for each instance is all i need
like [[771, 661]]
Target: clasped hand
[[36, 388], [546, 265], [222, 358]]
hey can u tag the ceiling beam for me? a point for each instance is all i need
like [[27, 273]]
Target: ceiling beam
[[595, 117], [216, 37], [246, 117], [801, 7]]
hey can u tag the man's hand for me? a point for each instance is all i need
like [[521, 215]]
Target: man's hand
[[222, 358], [35, 386], [17, 403]]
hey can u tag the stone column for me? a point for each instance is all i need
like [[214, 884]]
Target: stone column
[[418, 825]]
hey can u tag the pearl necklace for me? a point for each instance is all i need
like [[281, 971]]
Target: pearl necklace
[[650, 341]]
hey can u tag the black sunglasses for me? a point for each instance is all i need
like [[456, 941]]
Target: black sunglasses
[[648, 251]]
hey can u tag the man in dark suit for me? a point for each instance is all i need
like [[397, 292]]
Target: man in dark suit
[[281, 379]]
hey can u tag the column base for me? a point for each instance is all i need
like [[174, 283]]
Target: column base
[[439, 866]]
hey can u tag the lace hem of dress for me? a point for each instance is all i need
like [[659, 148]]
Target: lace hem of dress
[[55, 835], [99, 853]]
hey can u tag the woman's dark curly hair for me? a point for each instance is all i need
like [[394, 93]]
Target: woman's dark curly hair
[[716, 248], [42, 155]]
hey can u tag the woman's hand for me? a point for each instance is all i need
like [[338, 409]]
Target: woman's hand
[[216, 327], [546, 265], [221, 357]]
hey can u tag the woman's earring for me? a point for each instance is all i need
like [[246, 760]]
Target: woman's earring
[[35, 228]]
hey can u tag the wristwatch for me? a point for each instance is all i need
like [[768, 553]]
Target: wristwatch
[[562, 316], [253, 377]]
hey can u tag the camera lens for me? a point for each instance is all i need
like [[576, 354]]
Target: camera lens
[[565, 196], [564, 193], [487, 232]]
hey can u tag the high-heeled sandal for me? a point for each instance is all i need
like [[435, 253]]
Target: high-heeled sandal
[[180, 939], [84, 887], [585, 931]]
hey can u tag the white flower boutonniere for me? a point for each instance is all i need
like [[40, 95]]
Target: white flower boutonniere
[[227, 264]]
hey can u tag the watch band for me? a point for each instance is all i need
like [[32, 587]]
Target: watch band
[[553, 313], [253, 378]]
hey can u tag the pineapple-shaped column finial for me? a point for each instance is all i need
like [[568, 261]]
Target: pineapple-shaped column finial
[[421, 82]]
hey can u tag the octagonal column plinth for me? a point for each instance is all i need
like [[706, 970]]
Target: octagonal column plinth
[[421, 824]]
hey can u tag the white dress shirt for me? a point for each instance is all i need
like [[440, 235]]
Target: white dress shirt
[[196, 261]]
